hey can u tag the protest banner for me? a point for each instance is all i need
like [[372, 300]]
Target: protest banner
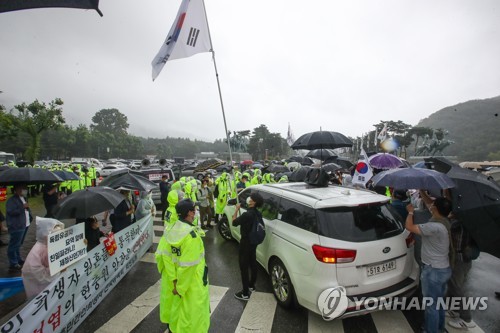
[[69, 299], [66, 247]]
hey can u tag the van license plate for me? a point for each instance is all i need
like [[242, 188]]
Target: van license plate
[[382, 268]]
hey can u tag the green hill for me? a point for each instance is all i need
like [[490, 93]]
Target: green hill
[[473, 125]]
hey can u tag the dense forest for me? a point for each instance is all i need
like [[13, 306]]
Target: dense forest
[[474, 126], [37, 131]]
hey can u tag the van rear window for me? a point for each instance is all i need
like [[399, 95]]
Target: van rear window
[[359, 224]]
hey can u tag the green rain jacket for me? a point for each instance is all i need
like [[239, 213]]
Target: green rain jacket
[[167, 272], [222, 184], [191, 309], [171, 216]]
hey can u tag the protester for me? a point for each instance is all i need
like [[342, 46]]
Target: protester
[[205, 210], [247, 251], [92, 233], [36, 272], [123, 214], [242, 183], [145, 206], [191, 307], [399, 202], [18, 217], [50, 198], [164, 189], [436, 269]]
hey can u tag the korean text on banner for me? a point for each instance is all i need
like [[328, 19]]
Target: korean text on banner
[[188, 35], [70, 298], [66, 247]]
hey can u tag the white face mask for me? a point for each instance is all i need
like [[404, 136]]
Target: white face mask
[[24, 193], [248, 200]]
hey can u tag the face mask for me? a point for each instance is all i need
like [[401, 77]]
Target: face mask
[[24, 193], [248, 201]]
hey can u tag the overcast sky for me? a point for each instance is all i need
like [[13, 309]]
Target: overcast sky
[[339, 65]]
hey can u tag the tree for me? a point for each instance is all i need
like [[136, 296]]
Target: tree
[[110, 121], [34, 119], [6, 124]]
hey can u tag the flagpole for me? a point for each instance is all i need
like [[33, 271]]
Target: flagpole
[[218, 86]]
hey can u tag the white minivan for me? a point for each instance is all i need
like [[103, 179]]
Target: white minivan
[[324, 237]]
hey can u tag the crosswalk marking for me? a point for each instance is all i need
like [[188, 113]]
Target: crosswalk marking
[[158, 228], [134, 313], [316, 324], [216, 294], [258, 315], [149, 257], [391, 321]]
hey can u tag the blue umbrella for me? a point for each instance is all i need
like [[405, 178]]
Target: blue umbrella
[[414, 178]]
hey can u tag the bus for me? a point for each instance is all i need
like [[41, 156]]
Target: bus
[[5, 158]]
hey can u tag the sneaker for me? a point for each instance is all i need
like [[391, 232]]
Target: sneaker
[[251, 289], [451, 314], [242, 296], [461, 324]]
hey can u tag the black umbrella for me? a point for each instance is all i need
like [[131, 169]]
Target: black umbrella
[[31, 176], [476, 202], [129, 181], [301, 159], [275, 168], [10, 5], [66, 175], [331, 167], [300, 174], [342, 161], [321, 154], [322, 139], [86, 203]]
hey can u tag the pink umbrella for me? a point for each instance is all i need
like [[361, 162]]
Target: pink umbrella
[[385, 161]]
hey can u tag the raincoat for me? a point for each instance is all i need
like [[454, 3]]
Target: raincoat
[[145, 206], [36, 272], [222, 184], [191, 308], [167, 272], [257, 175], [174, 196], [235, 181]]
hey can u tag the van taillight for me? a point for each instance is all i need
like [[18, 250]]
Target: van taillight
[[410, 240], [330, 255]]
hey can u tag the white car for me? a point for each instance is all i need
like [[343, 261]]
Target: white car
[[109, 169], [324, 237]]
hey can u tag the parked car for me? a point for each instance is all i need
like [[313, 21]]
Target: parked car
[[110, 168], [187, 171], [224, 168], [155, 175], [323, 237]]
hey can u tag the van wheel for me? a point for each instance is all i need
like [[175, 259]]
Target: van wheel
[[281, 283], [223, 227]]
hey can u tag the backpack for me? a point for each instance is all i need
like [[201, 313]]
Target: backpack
[[317, 177], [465, 247], [258, 232]]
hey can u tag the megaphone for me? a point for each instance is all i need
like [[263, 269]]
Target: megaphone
[[162, 162], [145, 163]]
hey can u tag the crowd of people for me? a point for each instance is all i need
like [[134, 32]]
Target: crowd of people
[[190, 207]]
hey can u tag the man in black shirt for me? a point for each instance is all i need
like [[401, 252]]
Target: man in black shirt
[[164, 189], [49, 198], [247, 252]]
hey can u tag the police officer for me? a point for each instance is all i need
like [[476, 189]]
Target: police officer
[[190, 310]]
